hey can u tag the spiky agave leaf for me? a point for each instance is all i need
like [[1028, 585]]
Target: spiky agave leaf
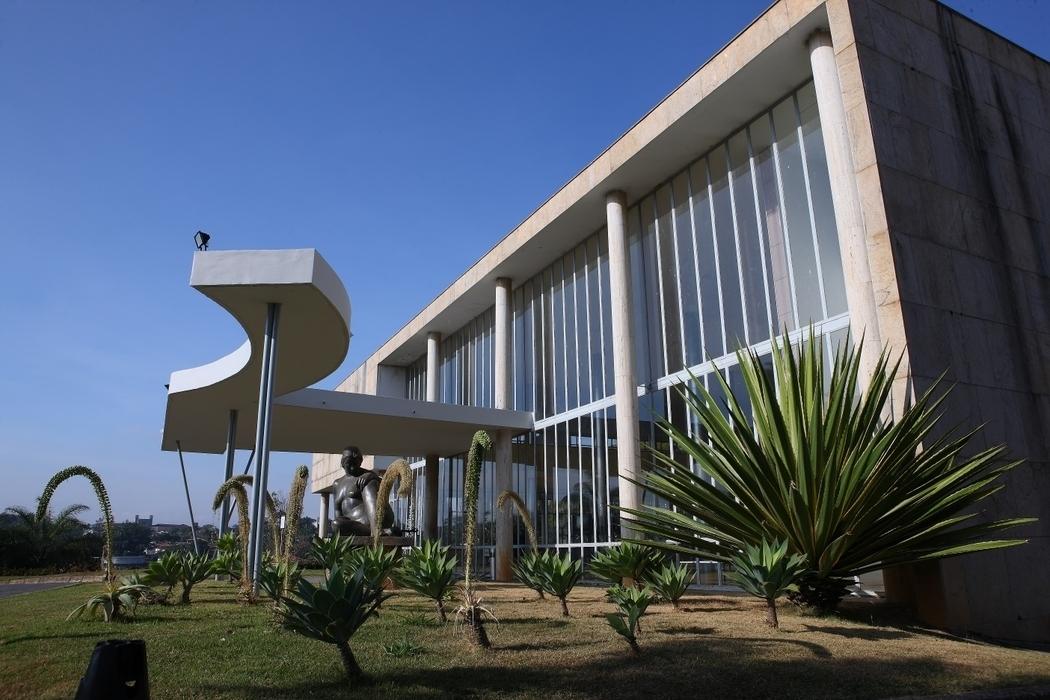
[[523, 513], [398, 470], [821, 469], [429, 570], [631, 561], [559, 575], [103, 503]]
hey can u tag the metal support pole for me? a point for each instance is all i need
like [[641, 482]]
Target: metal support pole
[[262, 442], [189, 504], [231, 449]]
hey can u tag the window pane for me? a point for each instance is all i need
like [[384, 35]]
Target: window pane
[[690, 300], [770, 221], [668, 269], [751, 248], [707, 264], [796, 207], [725, 236]]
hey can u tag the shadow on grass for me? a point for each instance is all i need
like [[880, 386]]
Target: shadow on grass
[[749, 667], [49, 637], [872, 634]]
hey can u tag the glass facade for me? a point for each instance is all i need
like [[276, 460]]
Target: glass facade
[[739, 245]]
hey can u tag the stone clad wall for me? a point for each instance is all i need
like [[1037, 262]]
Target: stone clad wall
[[960, 126]]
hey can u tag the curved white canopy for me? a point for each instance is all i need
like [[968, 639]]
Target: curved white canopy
[[312, 340]]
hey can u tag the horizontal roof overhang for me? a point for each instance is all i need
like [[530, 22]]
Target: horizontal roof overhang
[[313, 337]]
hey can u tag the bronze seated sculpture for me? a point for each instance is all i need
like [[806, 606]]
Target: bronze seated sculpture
[[356, 497]]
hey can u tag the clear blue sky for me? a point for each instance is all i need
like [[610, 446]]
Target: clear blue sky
[[402, 140]]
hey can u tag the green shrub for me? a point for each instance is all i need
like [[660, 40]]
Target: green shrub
[[627, 563], [632, 603], [768, 572], [333, 612], [194, 569], [331, 552], [559, 575], [821, 469], [403, 648], [277, 578], [429, 570], [670, 582], [117, 603], [527, 570], [165, 570], [373, 562]]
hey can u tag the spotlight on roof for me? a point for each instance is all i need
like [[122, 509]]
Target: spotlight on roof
[[201, 239]]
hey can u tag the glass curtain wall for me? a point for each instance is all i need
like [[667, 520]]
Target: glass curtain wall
[[738, 246]]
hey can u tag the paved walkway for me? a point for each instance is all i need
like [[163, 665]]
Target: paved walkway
[[9, 589]]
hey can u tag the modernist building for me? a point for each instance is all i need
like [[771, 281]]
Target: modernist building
[[879, 165]]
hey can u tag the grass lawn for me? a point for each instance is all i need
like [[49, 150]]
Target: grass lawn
[[715, 647]]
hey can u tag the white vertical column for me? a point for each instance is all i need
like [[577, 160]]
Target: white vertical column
[[231, 451], [627, 445], [849, 216], [322, 517], [503, 360], [430, 470]]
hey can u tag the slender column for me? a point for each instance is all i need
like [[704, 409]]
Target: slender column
[[262, 442], [430, 469], [849, 216], [231, 450], [504, 464], [189, 503], [627, 445], [322, 517]]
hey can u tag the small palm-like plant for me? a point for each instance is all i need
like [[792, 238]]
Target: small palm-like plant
[[114, 603], [632, 603], [277, 578], [331, 552], [670, 582], [194, 569], [470, 610], [333, 612], [400, 471], [527, 570], [227, 561], [814, 464], [627, 563], [165, 570], [768, 572], [103, 503], [373, 562], [44, 534], [559, 575], [429, 570]]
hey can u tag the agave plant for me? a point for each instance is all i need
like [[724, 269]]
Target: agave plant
[[670, 582], [768, 572], [559, 575], [165, 570], [103, 503], [227, 561], [331, 552], [333, 612], [114, 603], [528, 570], [373, 562], [429, 570], [512, 497], [627, 563], [194, 569], [470, 610], [822, 470], [632, 603], [278, 577], [399, 470]]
